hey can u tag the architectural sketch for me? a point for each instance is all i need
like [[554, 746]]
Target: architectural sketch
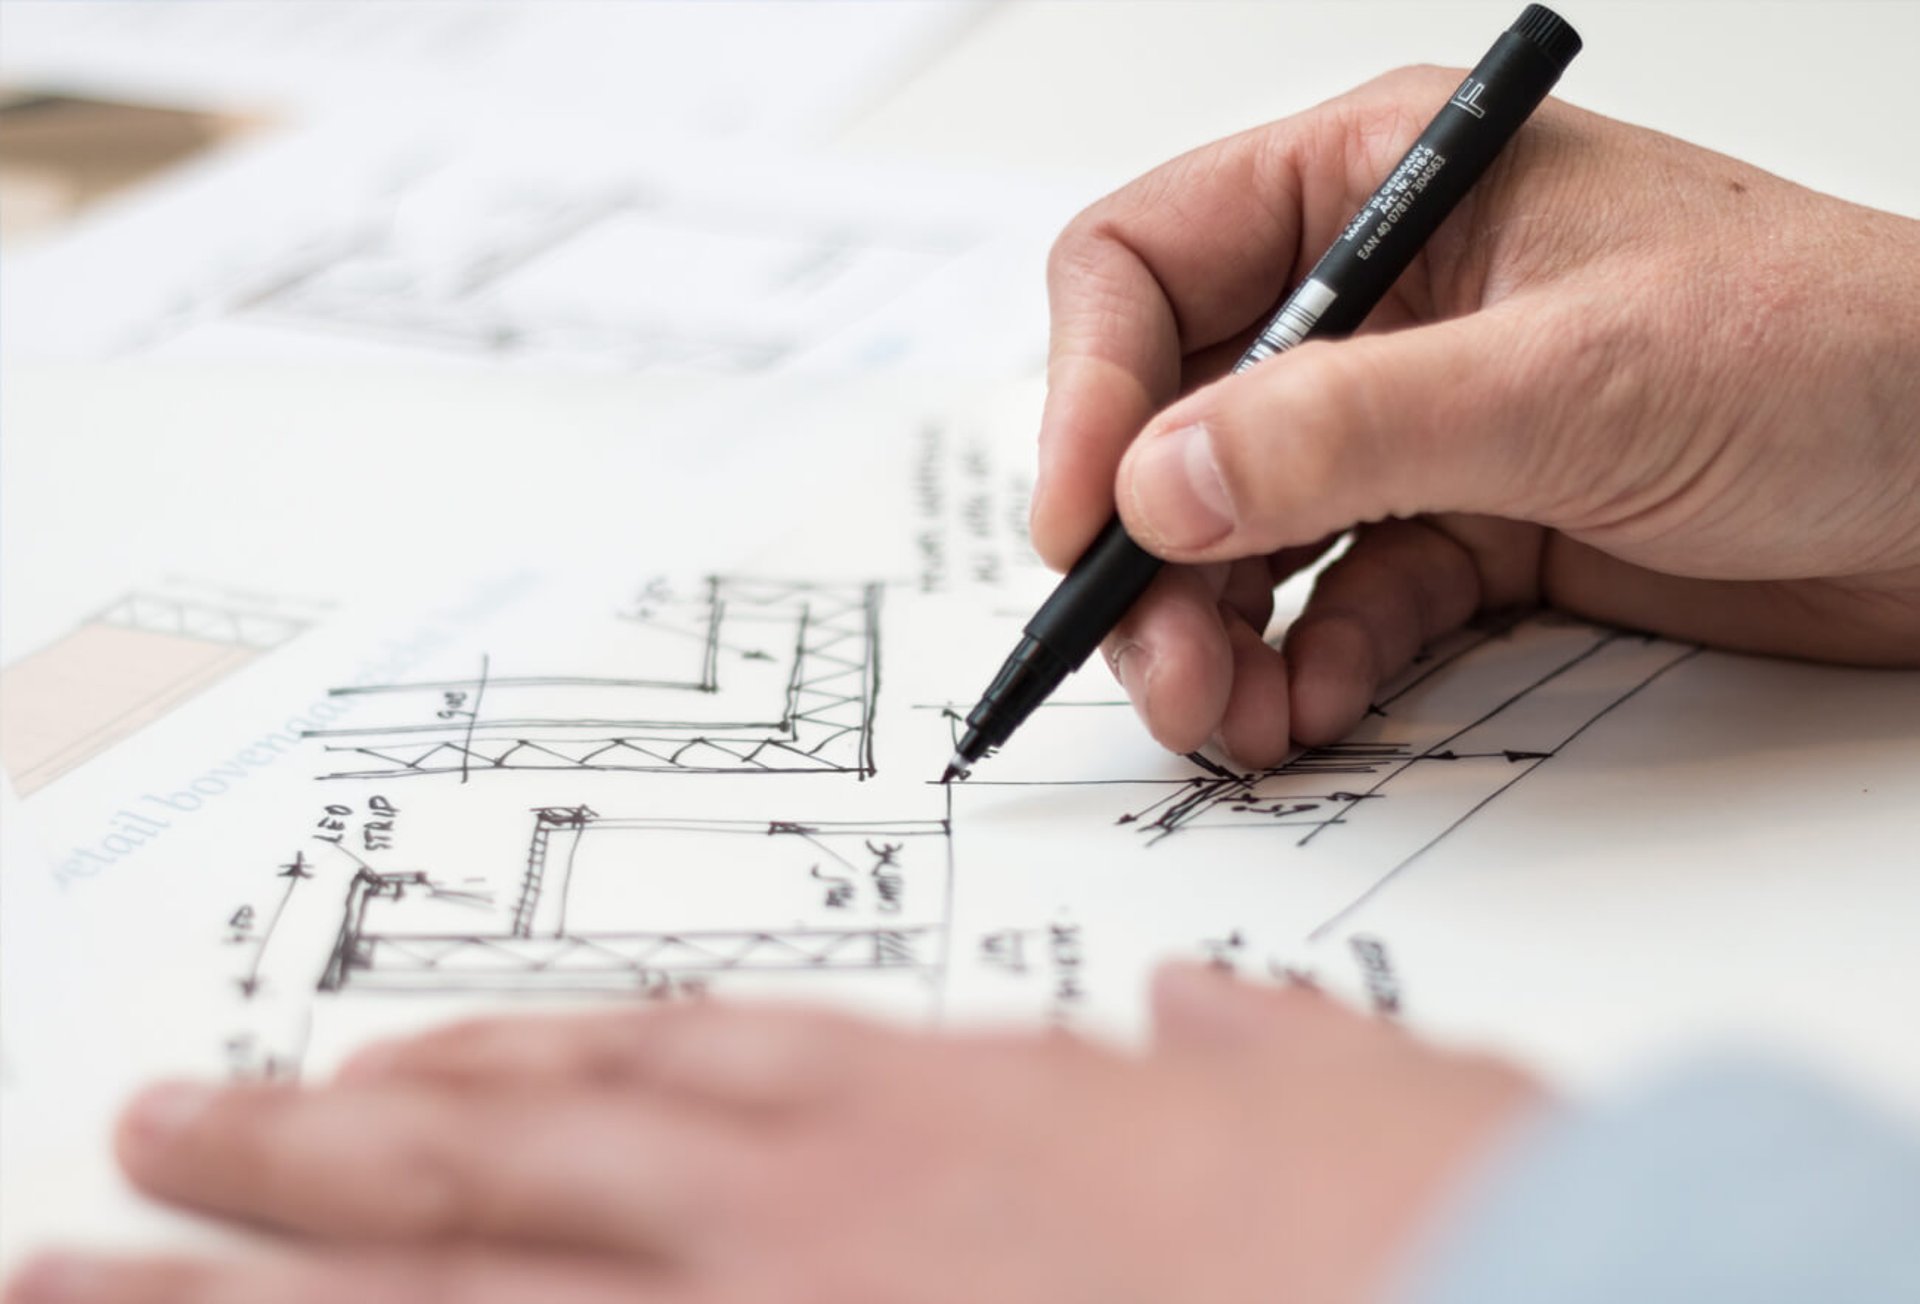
[[1501, 745], [123, 668], [625, 905], [1477, 714], [749, 676], [473, 267]]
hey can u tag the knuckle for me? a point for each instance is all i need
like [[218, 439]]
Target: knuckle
[[1589, 344], [1100, 228], [1367, 129], [1079, 249]]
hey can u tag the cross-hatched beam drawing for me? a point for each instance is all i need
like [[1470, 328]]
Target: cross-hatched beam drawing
[[752, 676]]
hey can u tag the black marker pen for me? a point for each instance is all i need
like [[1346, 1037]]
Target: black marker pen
[[1350, 278]]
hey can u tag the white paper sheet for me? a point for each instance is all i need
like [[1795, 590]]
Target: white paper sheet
[[481, 241], [694, 752]]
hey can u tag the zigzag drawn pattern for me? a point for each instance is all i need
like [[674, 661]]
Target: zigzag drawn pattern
[[825, 724], [401, 960]]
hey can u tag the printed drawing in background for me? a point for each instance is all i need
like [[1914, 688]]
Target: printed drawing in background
[[490, 268], [652, 905], [125, 667], [751, 676], [1477, 714]]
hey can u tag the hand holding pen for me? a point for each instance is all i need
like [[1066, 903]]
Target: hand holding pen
[[1628, 377]]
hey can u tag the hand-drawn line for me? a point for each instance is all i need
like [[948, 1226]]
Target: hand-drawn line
[[1241, 795], [294, 872], [545, 946], [1217, 799], [1240, 792], [473, 717], [1493, 626], [1218, 771], [819, 720], [945, 981], [1605, 637], [709, 637], [1333, 921], [519, 681]]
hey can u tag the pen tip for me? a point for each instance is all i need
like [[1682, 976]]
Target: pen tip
[[956, 769]]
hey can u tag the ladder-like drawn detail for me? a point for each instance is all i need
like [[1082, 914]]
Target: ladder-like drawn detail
[[601, 900], [547, 821], [785, 680]]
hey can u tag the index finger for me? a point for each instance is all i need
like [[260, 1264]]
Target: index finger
[[1183, 259]]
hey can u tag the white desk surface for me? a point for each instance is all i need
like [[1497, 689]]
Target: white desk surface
[[1821, 93]]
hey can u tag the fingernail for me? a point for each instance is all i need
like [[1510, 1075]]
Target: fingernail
[[1133, 667], [56, 1279], [1177, 489], [162, 1112]]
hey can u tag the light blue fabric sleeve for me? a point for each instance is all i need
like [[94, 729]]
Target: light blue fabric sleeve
[[1731, 1181]]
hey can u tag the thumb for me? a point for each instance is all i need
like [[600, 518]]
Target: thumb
[[1446, 417]]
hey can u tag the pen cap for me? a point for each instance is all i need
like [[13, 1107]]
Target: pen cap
[[1548, 31]]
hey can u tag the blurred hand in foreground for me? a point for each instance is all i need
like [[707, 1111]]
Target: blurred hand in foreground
[[1628, 377], [1269, 1145]]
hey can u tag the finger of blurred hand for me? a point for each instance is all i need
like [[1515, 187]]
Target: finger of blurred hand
[[466, 1275], [739, 1055], [412, 1162]]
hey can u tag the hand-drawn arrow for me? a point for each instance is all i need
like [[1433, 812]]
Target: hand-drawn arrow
[[1513, 756], [293, 871]]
